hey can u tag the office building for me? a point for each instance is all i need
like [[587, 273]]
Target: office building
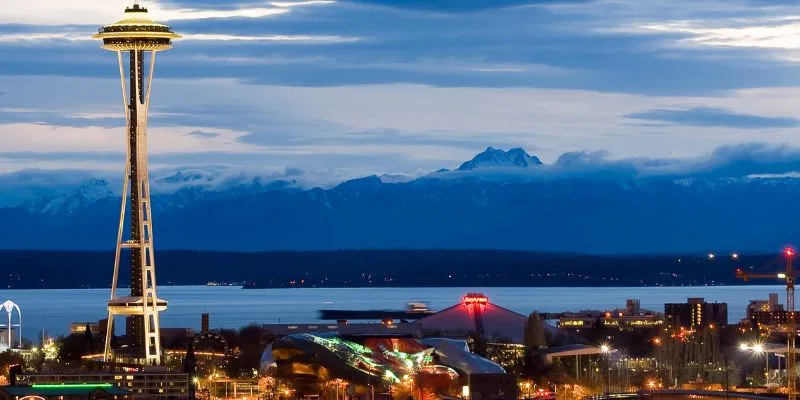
[[696, 313]]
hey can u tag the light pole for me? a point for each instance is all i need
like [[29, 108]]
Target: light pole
[[758, 348], [606, 349]]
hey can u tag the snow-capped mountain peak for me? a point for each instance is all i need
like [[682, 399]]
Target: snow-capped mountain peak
[[498, 158]]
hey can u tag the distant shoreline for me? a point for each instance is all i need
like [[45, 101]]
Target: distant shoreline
[[34, 269]]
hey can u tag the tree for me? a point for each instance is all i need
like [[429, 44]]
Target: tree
[[73, 347], [250, 343], [190, 368], [8, 359], [534, 333], [88, 339]]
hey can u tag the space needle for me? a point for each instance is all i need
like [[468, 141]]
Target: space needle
[[136, 39]]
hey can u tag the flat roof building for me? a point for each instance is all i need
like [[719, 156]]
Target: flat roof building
[[100, 391], [154, 384], [696, 313], [630, 318]]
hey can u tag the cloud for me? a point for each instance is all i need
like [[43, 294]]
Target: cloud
[[735, 161], [744, 161], [780, 33], [270, 38], [386, 137], [203, 134], [94, 12], [713, 117], [725, 162], [201, 37], [291, 4], [459, 6]]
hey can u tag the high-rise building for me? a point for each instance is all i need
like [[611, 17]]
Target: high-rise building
[[204, 323], [137, 39], [696, 313]]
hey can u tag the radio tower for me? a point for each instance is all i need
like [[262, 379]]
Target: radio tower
[[136, 39]]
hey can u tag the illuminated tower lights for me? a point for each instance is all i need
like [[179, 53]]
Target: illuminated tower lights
[[136, 38]]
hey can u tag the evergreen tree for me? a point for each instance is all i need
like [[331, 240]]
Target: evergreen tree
[[190, 368], [88, 338], [534, 333]]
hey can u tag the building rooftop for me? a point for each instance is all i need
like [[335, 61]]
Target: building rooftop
[[82, 389]]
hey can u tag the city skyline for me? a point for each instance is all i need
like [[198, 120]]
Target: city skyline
[[344, 89]]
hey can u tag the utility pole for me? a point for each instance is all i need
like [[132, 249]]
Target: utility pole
[[791, 329]]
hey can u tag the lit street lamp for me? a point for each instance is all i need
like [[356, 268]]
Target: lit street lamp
[[606, 349], [758, 348]]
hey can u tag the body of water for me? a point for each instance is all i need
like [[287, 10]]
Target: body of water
[[233, 307]]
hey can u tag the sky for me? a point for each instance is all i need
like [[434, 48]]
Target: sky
[[348, 88]]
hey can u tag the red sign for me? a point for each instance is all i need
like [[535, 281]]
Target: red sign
[[475, 298]]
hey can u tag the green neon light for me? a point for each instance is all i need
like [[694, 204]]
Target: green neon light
[[70, 385]]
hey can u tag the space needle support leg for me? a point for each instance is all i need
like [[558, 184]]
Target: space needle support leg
[[19, 314], [149, 82], [150, 297], [118, 250]]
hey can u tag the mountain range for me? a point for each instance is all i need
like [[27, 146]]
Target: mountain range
[[497, 200]]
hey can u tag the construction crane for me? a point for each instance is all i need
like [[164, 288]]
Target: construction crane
[[791, 332]]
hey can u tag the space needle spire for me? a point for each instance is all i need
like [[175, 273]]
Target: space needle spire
[[136, 39]]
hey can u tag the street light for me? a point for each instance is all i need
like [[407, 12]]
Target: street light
[[758, 348], [744, 346], [606, 349]]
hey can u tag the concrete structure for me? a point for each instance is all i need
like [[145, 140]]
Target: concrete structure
[[475, 314], [102, 391], [156, 384], [629, 318], [769, 319], [371, 364], [137, 37], [9, 307], [696, 313], [765, 313]]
